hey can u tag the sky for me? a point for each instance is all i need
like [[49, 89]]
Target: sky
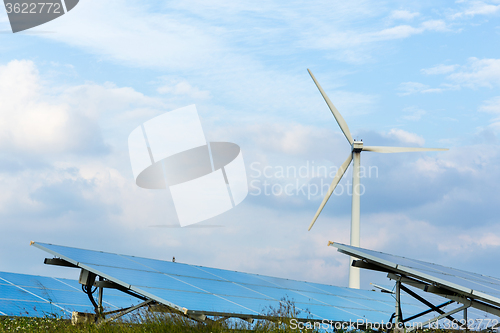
[[402, 73]]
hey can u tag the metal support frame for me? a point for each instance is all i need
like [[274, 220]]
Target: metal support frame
[[128, 310], [367, 265], [447, 294], [58, 262], [89, 280], [427, 311], [399, 279], [436, 319], [424, 301], [453, 297]]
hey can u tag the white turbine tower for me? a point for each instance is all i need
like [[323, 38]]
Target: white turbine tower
[[357, 148]]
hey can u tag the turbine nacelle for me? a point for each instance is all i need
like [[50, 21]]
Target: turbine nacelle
[[357, 146]]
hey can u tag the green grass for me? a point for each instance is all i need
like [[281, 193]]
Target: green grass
[[149, 324], [149, 321]]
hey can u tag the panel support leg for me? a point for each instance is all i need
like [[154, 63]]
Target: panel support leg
[[465, 319], [398, 316], [99, 300]]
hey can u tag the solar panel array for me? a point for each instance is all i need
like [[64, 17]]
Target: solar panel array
[[479, 286], [211, 290], [40, 296]]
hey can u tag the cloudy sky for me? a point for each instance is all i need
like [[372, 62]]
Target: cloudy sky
[[402, 73]]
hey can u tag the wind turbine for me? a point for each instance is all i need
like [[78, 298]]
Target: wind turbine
[[356, 148]]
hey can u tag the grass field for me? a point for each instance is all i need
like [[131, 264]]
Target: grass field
[[149, 321], [172, 324]]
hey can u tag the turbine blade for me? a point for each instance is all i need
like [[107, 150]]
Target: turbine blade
[[336, 113], [383, 149], [336, 180]]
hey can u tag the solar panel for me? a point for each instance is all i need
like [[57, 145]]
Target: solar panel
[[41, 296], [477, 285], [468, 288], [210, 291]]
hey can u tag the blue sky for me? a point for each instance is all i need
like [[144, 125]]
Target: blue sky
[[401, 73]]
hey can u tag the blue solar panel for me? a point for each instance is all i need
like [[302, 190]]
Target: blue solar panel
[[211, 290], [40, 296], [482, 287], [481, 293]]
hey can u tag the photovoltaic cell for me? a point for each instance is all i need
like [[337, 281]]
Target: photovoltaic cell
[[478, 286], [40, 296], [211, 290]]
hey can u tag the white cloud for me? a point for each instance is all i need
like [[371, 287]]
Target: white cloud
[[477, 8], [413, 113], [406, 137], [403, 15], [43, 119], [456, 243], [439, 69], [397, 32], [466, 160], [32, 122], [478, 73], [289, 139], [342, 40], [408, 88], [183, 88], [98, 101], [137, 37], [435, 167], [353, 104], [192, 35], [435, 25], [491, 106], [404, 31], [482, 239]]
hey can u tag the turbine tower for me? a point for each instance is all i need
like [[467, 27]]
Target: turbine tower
[[356, 148]]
